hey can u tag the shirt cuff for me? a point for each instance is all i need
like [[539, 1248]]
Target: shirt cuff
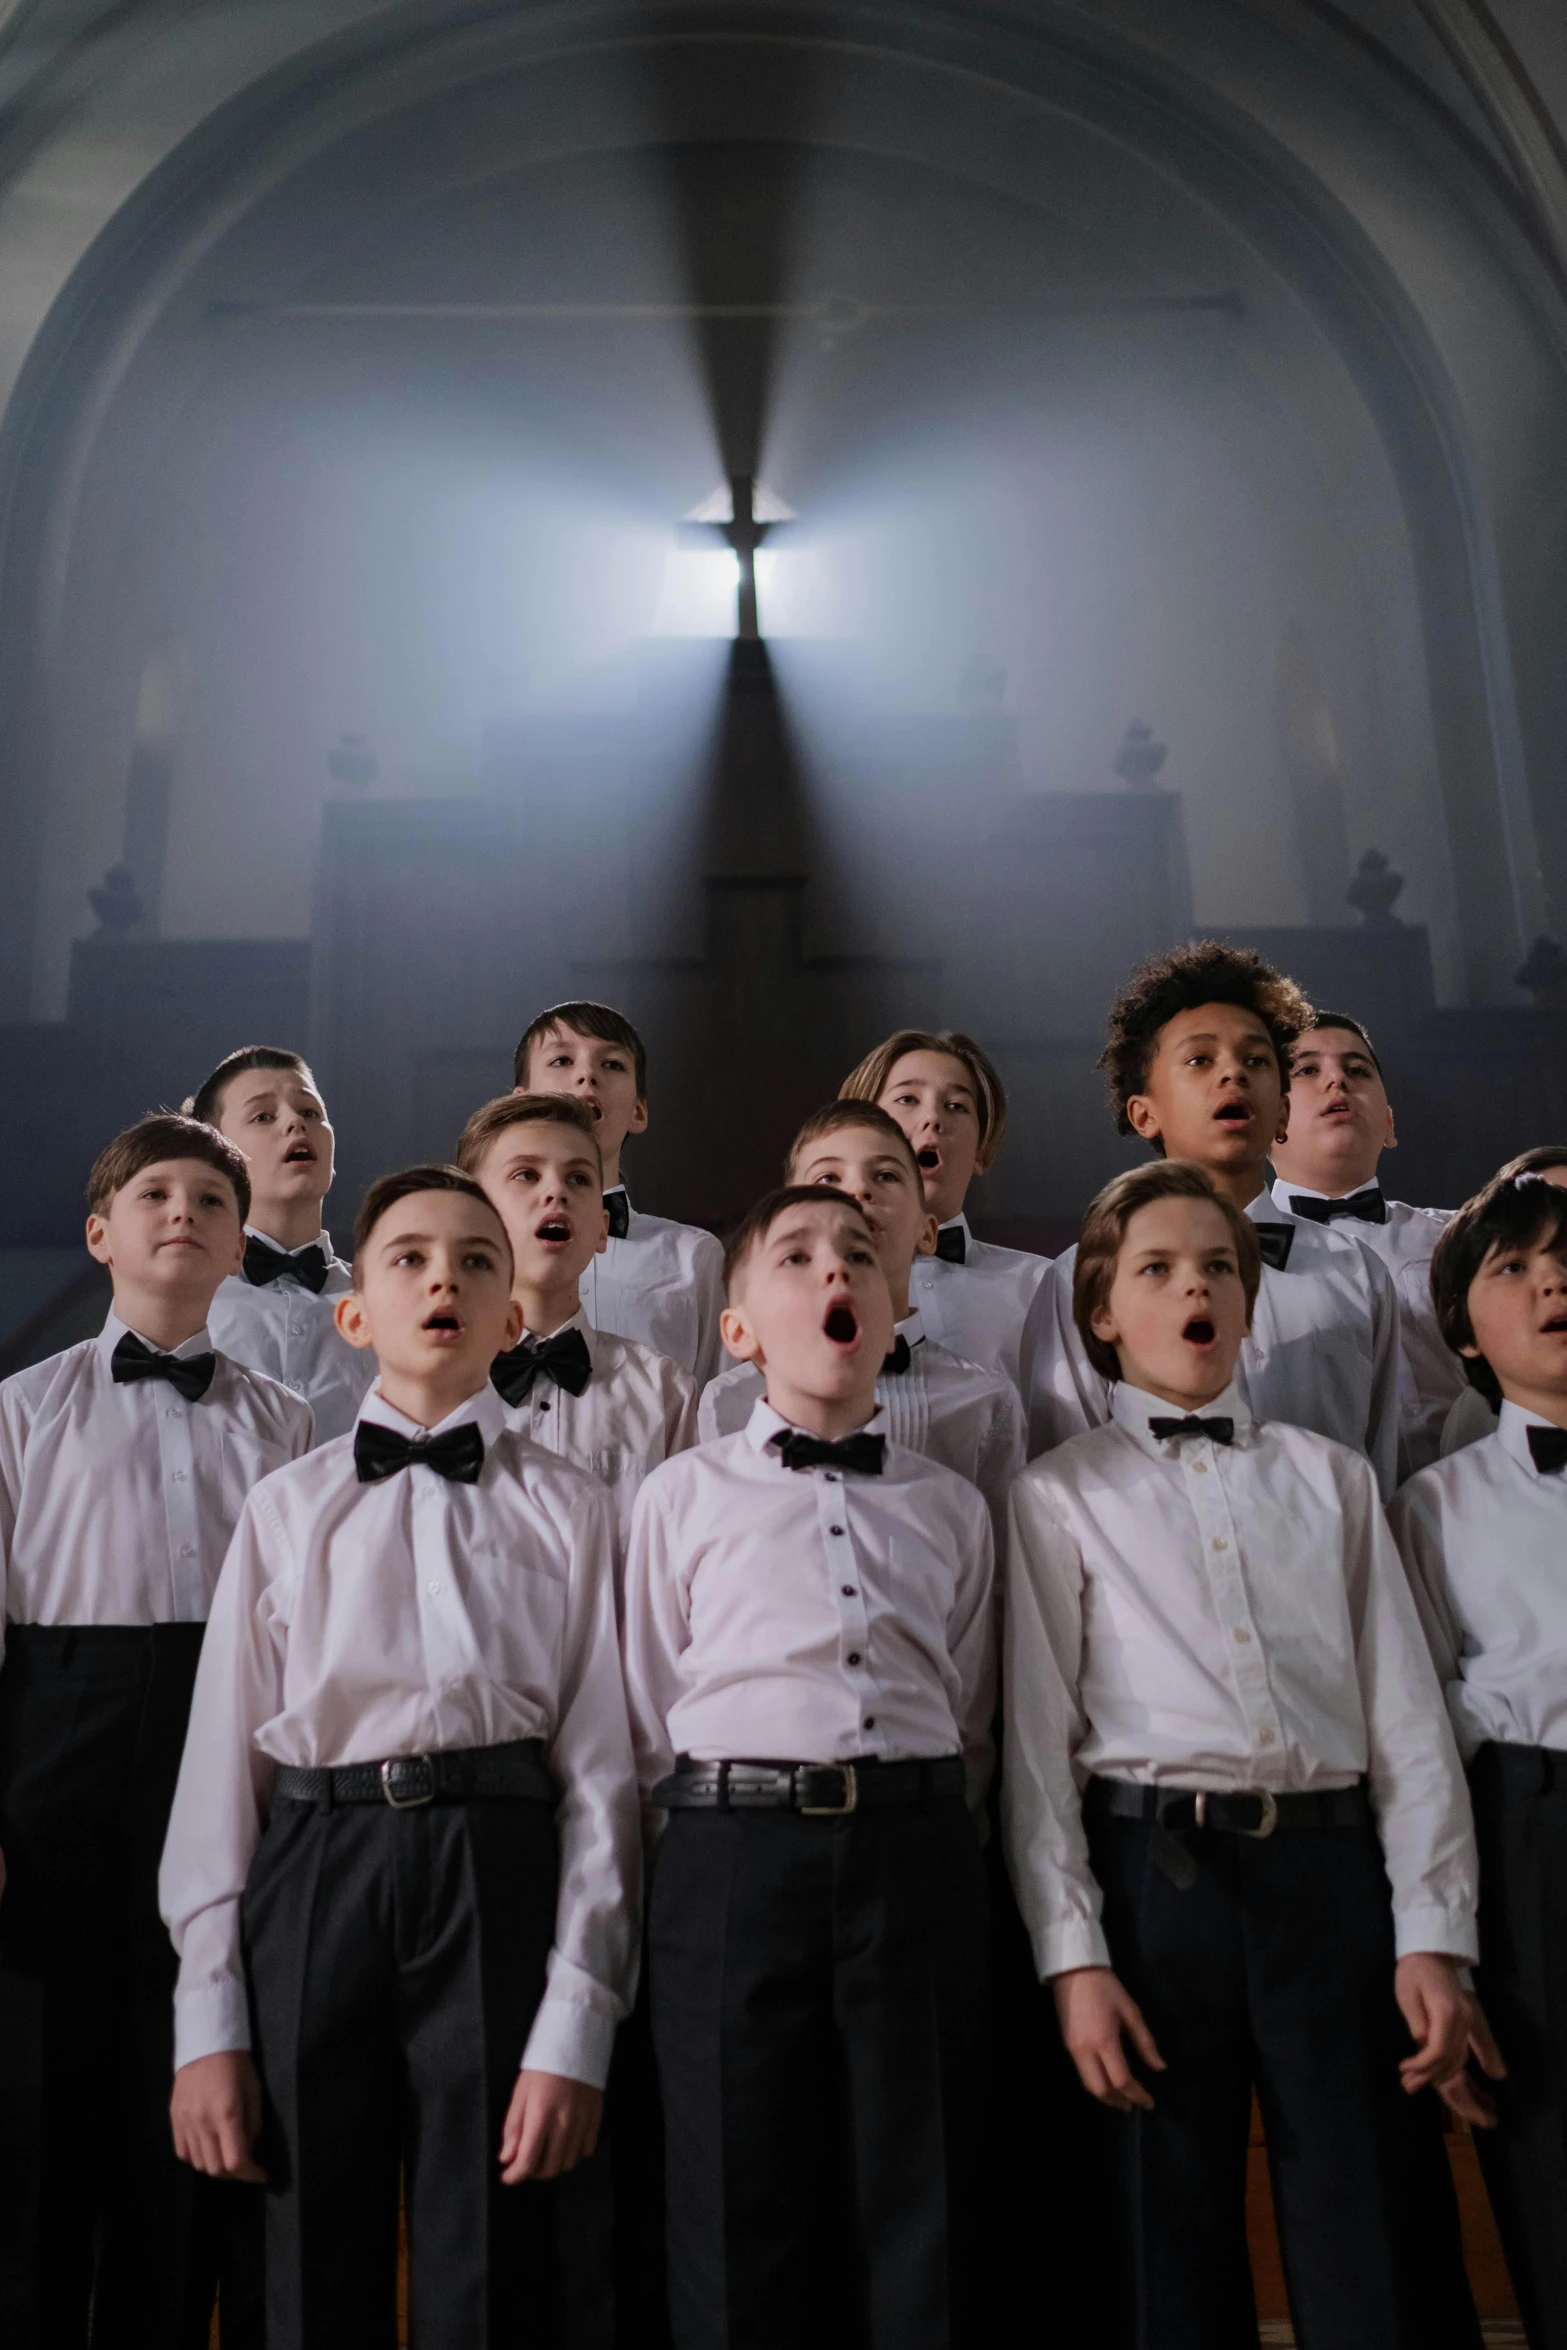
[[1447, 1933], [1076, 1942], [209, 2018], [571, 2039]]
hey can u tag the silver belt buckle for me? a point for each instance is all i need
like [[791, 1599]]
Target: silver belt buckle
[[1270, 1815], [835, 1811], [409, 1762]]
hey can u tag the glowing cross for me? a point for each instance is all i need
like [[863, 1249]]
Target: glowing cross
[[744, 532]]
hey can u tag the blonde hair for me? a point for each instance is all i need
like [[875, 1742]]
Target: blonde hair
[[1104, 1236], [867, 1082]]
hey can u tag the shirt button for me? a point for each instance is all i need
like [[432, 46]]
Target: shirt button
[[854, 1656], [435, 1591], [870, 1721], [1219, 1542], [1199, 1468], [1266, 1738], [188, 1551], [835, 1529], [833, 1477], [544, 1403], [848, 1591], [1242, 1634], [171, 1413], [179, 1476]]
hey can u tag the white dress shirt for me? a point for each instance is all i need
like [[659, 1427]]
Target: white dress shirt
[[977, 1309], [808, 1615], [1323, 1351], [353, 1622], [285, 1330], [663, 1285], [635, 1411], [1470, 1420], [1431, 1377], [968, 1419], [117, 1502], [1224, 1617], [1484, 1537]]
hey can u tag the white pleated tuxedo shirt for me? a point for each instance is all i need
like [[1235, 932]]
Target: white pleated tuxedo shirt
[[967, 1418], [663, 1285], [637, 1409], [1323, 1351], [284, 1329], [977, 1309], [117, 1502], [354, 1622], [1225, 1617], [808, 1615], [1431, 1376], [1484, 1537]]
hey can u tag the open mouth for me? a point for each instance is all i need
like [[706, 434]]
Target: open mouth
[[842, 1325], [555, 1229], [446, 1323], [929, 1159], [1199, 1331], [1233, 1114], [299, 1154], [1557, 1322]]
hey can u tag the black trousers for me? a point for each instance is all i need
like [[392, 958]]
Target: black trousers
[[104, 2236], [819, 2016], [396, 1961], [1520, 1806], [1274, 1970]]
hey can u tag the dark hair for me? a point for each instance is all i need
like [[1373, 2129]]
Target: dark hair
[[206, 1102], [1341, 1020], [384, 1194], [584, 1019], [523, 1109], [756, 1225], [1534, 1162], [838, 1117], [1205, 972], [1104, 1235], [1519, 1210], [165, 1134], [868, 1081]]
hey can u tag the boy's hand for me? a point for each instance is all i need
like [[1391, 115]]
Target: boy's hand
[[1095, 2009], [552, 2124], [1448, 2027], [216, 2113]]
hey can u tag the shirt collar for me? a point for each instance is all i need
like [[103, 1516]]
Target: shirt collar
[[1133, 1407], [485, 1409], [1282, 1192], [1513, 1426], [764, 1424], [577, 1321], [322, 1241], [114, 1330], [1267, 1208], [912, 1328], [958, 1223]]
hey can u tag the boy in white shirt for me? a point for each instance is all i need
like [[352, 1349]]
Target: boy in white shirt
[[278, 1312], [953, 1411], [809, 1644], [1325, 1169], [657, 1282], [1484, 1537], [946, 1093], [124, 1464], [1198, 1067], [615, 1408], [403, 1848], [1475, 1413], [1224, 1746]]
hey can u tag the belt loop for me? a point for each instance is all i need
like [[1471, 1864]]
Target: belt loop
[[328, 1799], [723, 1786]]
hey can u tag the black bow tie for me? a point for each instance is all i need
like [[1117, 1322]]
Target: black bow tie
[[1275, 1242], [1548, 1450], [799, 1451], [951, 1245], [309, 1267], [899, 1360], [1220, 1430], [1367, 1207], [564, 1357], [379, 1452], [618, 1204], [191, 1375]]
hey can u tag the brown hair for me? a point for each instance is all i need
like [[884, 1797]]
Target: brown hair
[[1516, 1209], [384, 1194], [206, 1102], [1340, 1020], [523, 1109], [868, 1081], [583, 1019], [1206, 972], [837, 1118], [754, 1227], [1533, 1162], [165, 1135], [1104, 1235]]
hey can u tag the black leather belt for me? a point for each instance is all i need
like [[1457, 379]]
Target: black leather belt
[[1244, 1812], [815, 1790], [460, 1774], [1520, 1770]]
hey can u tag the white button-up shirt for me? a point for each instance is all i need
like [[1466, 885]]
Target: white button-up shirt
[[353, 1622], [977, 1309], [808, 1615], [1431, 1377], [968, 1419], [1484, 1536], [285, 1330], [1323, 1351], [635, 1411], [117, 1502], [663, 1285], [1471, 1419], [1223, 1617]]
